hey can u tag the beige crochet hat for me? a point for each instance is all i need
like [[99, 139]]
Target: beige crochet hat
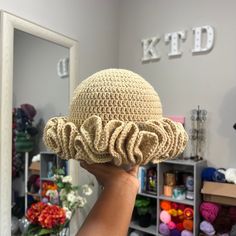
[[115, 116]]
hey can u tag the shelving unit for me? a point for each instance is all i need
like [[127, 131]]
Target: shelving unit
[[194, 167], [45, 159]]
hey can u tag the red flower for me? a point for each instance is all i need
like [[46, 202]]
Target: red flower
[[52, 216], [34, 211]]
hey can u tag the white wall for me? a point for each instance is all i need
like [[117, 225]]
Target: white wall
[[93, 23], [183, 83]]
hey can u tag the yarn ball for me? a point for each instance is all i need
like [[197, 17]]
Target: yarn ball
[[233, 231], [181, 207], [180, 212], [207, 228], [164, 230], [209, 211], [176, 219], [171, 225], [188, 224], [208, 173], [219, 176], [180, 226], [230, 175], [174, 205], [188, 213], [173, 212], [232, 214], [186, 233], [165, 217], [175, 232], [222, 224], [165, 205]]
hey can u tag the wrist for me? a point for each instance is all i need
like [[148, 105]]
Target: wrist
[[126, 182]]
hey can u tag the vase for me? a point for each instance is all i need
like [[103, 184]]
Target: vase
[[144, 220]]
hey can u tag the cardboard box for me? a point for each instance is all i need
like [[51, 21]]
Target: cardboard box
[[221, 193], [35, 167]]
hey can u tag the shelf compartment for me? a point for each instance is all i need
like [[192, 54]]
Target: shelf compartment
[[152, 229], [185, 201]]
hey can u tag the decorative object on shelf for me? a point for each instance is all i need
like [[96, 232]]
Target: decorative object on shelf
[[169, 179], [142, 205], [189, 183], [24, 225], [60, 203], [115, 106], [50, 169], [152, 179], [198, 133], [179, 192], [168, 191]]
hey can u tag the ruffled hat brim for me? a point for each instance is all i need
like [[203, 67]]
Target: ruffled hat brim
[[117, 141]]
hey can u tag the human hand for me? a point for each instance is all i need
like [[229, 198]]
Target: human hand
[[110, 176]]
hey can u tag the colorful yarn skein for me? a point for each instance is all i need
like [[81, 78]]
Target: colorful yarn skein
[[164, 230], [207, 228], [209, 211]]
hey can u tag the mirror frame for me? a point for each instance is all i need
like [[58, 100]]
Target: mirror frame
[[9, 23]]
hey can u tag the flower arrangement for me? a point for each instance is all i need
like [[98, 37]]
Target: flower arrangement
[[60, 199]]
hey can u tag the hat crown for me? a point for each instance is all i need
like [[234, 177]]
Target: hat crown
[[115, 94]]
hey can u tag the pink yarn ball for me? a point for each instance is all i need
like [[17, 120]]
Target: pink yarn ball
[[171, 225], [209, 211], [165, 217]]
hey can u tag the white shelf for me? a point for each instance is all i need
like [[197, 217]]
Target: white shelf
[[188, 162], [185, 201], [147, 195], [150, 230], [47, 179]]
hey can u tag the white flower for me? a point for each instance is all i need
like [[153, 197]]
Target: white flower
[[71, 197], [52, 193], [68, 213], [81, 201], [87, 190], [55, 177], [67, 179]]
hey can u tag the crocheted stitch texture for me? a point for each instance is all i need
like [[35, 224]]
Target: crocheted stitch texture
[[115, 116]]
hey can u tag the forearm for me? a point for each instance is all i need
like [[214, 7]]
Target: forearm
[[112, 212]]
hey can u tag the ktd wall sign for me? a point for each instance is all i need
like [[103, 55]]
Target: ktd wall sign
[[203, 42]]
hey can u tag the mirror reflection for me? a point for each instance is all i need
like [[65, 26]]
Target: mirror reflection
[[40, 91]]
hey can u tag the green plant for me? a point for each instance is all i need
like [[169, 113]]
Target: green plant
[[142, 205]]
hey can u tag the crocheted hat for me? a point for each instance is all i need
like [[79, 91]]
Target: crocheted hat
[[115, 116]]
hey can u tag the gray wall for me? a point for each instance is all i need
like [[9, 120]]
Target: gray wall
[[183, 83], [36, 81]]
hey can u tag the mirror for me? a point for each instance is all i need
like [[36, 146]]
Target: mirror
[[38, 74]]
